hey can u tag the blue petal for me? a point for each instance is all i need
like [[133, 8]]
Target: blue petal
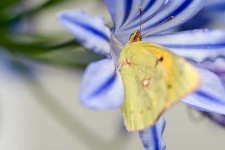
[[152, 137], [210, 96], [197, 45], [218, 5], [216, 67], [202, 20], [149, 9], [101, 87], [91, 32], [217, 118], [204, 48], [122, 11], [181, 10]]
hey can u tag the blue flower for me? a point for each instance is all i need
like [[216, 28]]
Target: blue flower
[[216, 5], [102, 89], [212, 15], [217, 118]]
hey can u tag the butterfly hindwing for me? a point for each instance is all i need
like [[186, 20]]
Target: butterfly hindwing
[[154, 79]]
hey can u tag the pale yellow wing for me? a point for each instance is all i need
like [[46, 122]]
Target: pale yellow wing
[[154, 79]]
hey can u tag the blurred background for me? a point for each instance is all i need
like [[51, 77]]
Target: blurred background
[[40, 75]]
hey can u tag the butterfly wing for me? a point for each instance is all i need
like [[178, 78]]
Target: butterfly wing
[[154, 79]]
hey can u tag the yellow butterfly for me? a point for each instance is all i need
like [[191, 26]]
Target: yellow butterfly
[[154, 79]]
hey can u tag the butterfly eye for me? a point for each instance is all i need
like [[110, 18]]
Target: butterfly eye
[[131, 36]]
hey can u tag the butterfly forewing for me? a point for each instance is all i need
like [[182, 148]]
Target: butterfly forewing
[[182, 78], [154, 78]]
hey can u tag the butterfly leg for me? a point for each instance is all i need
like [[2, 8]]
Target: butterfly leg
[[125, 62], [118, 69], [118, 43]]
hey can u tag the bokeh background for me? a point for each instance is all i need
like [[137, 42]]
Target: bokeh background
[[41, 111]]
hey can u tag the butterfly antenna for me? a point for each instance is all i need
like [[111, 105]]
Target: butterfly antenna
[[140, 11], [118, 43], [168, 19]]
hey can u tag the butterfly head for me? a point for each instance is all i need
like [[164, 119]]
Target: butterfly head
[[135, 37]]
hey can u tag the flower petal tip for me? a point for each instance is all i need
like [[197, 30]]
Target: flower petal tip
[[101, 87], [210, 97], [91, 32]]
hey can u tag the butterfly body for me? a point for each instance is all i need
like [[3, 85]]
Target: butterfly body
[[154, 79]]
